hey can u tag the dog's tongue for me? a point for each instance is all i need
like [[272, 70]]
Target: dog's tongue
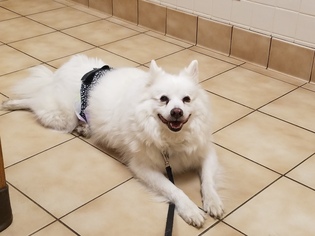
[[175, 125]]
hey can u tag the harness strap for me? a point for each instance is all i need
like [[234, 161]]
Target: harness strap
[[171, 206], [88, 81]]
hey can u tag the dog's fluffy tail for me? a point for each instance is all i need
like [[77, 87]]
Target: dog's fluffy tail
[[40, 77]]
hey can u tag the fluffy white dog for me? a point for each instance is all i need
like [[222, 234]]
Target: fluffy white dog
[[140, 114]]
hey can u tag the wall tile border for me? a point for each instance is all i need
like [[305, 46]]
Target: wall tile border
[[214, 35]]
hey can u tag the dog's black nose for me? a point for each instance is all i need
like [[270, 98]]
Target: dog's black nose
[[176, 113]]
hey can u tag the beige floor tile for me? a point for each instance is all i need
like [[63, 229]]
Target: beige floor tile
[[51, 46], [6, 14], [27, 216], [274, 74], [93, 9], [222, 229], [247, 87], [67, 2], [268, 141], [310, 86], [224, 112], [127, 24], [22, 136], [110, 58], [100, 32], [55, 229], [240, 179], [14, 29], [12, 60], [127, 210], [169, 39], [26, 7], [142, 48], [208, 66], [216, 55], [67, 176], [63, 18], [297, 107], [284, 208], [304, 173]]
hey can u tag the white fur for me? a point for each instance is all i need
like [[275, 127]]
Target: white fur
[[123, 114]]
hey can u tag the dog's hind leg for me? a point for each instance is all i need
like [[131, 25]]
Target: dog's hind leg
[[50, 117], [16, 104], [83, 129]]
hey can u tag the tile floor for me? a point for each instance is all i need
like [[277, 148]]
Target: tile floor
[[264, 131]]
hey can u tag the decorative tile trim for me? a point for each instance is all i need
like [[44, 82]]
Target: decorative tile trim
[[295, 60], [156, 21], [250, 46], [291, 59], [214, 35], [181, 25]]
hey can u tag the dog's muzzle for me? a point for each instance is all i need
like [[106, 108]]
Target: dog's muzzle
[[176, 121]]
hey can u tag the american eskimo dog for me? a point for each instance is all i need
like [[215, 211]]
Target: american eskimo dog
[[140, 114]]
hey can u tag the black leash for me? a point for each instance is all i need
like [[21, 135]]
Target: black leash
[[171, 206]]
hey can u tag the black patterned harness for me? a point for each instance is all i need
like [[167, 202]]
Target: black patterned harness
[[89, 80]]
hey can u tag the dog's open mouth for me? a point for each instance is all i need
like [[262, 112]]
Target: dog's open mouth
[[174, 125]]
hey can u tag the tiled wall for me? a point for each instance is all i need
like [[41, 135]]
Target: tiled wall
[[292, 20], [227, 26]]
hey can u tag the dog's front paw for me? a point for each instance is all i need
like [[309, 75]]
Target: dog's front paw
[[213, 206], [191, 213]]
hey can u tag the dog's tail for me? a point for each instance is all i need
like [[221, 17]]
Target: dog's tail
[[40, 77]]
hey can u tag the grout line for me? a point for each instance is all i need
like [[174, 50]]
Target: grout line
[[197, 25], [97, 197], [33, 201], [231, 41], [298, 182], [248, 159], [269, 52], [288, 122], [43, 151], [252, 197], [222, 222], [312, 70]]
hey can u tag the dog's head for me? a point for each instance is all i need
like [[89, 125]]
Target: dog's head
[[174, 95]]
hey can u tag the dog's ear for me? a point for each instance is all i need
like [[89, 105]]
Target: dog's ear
[[154, 69], [192, 71]]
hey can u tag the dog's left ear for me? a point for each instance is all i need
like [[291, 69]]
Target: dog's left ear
[[154, 68], [192, 71]]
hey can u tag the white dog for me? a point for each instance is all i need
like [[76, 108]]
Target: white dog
[[140, 114]]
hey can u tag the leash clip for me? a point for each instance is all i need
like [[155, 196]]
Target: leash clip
[[166, 158]]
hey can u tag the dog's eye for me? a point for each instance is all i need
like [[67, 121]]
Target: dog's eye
[[186, 99], [164, 99]]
